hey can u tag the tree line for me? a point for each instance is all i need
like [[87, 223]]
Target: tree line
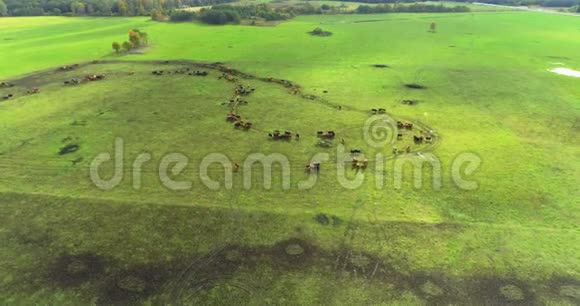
[[165, 7], [222, 14], [96, 7], [545, 3], [410, 8], [232, 14]]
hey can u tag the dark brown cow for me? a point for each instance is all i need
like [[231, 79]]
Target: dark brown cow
[[418, 139], [231, 117], [327, 135]]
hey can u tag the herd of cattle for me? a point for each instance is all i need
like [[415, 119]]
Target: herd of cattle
[[31, 91], [87, 78], [228, 77], [239, 91], [375, 111], [186, 70], [238, 122], [286, 135], [327, 137], [6, 85]]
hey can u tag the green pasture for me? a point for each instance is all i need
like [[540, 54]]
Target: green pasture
[[487, 91]]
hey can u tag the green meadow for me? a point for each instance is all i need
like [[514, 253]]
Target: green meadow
[[487, 90]]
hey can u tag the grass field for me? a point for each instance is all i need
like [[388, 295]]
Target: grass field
[[515, 240]]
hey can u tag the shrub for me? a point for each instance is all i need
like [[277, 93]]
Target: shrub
[[219, 16], [182, 16], [320, 32]]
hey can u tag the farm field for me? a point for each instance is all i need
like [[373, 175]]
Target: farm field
[[485, 90]]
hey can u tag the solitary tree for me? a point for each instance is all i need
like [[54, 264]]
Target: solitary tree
[[433, 27], [135, 37], [127, 46], [116, 46], [3, 9]]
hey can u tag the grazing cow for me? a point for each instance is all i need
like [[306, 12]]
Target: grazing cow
[[280, 136], [395, 150], [227, 77], [7, 97], [158, 72], [73, 81], [247, 125], [238, 124], [364, 164], [33, 91], [327, 135], [382, 110], [418, 139], [399, 136], [359, 164], [94, 77], [6, 84], [428, 139], [313, 167], [374, 111], [244, 91], [286, 136], [68, 68], [405, 125], [355, 151], [231, 117]]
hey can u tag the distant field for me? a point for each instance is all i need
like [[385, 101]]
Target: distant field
[[487, 91]]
